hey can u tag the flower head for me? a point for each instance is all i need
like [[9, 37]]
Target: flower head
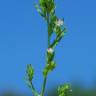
[[50, 50], [59, 22]]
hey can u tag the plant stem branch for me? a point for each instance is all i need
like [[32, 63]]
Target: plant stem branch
[[45, 78], [48, 29], [44, 85], [33, 90]]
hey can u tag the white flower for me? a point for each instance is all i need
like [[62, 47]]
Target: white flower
[[59, 22], [50, 50], [71, 90]]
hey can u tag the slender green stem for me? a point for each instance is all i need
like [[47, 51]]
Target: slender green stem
[[44, 85], [48, 29], [45, 78], [33, 90]]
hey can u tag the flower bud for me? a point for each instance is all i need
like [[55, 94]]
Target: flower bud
[[30, 72]]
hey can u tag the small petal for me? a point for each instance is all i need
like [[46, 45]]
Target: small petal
[[59, 22], [50, 50]]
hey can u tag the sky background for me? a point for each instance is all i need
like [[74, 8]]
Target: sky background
[[23, 40]]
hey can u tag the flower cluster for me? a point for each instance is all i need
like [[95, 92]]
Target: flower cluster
[[50, 63], [44, 7], [55, 25], [62, 90], [59, 22]]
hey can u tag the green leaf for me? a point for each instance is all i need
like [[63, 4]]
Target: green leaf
[[37, 7], [52, 24], [39, 10], [51, 6], [43, 5], [60, 37]]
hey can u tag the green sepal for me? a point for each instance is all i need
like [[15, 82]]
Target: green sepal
[[48, 68], [51, 66]]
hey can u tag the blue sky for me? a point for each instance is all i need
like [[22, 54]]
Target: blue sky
[[23, 40]]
